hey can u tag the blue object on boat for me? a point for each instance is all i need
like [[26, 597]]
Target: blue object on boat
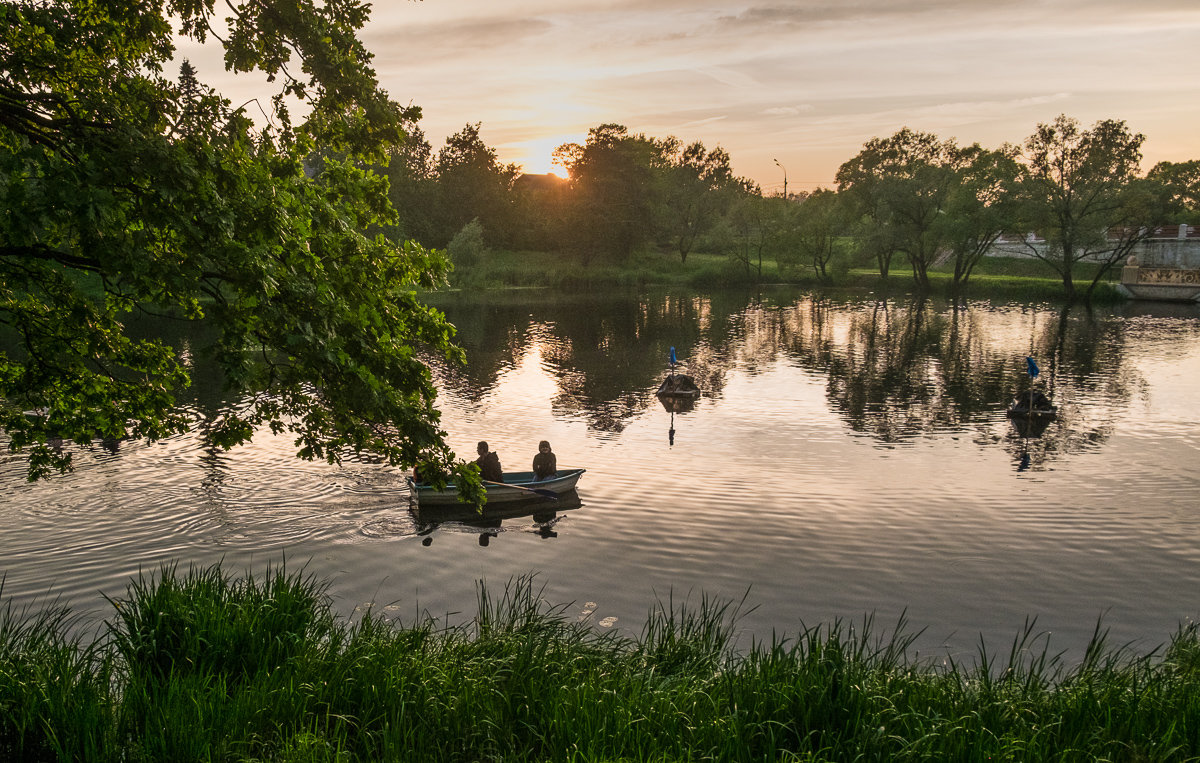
[[1033, 369], [672, 356]]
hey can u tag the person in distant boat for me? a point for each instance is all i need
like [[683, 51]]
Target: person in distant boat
[[545, 464], [489, 464]]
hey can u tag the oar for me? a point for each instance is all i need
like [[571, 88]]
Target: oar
[[538, 491]]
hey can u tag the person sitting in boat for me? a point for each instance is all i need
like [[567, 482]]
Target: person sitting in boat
[[489, 464], [545, 464]]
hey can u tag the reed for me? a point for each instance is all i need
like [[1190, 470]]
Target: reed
[[204, 666], [55, 701]]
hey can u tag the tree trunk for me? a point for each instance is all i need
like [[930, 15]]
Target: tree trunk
[[1068, 283]]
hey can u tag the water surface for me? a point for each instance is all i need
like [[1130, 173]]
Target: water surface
[[851, 455]]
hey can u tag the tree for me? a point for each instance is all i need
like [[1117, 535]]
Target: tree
[[615, 190], [467, 249], [473, 184], [125, 191], [1182, 182], [1076, 187], [412, 187], [819, 222], [699, 188], [900, 186], [541, 203], [980, 207], [757, 227]]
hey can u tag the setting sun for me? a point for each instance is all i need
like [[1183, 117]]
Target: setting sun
[[536, 156]]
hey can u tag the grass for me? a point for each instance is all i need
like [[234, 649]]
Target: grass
[[1016, 278], [507, 269], [204, 666]]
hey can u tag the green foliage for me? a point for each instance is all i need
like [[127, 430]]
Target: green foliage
[[816, 236], [203, 666], [756, 230], [467, 249], [699, 188], [206, 621], [939, 206], [203, 651], [173, 203], [903, 185], [933, 201], [1077, 189], [1182, 181], [540, 207], [616, 190], [472, 185], [981, 207], [412, 186]]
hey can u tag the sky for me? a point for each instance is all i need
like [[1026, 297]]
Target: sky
[[788, 88]]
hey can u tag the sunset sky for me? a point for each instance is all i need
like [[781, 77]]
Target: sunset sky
[[805, 83]]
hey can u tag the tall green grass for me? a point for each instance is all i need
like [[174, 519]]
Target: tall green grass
[[205, 666], [55, 691]]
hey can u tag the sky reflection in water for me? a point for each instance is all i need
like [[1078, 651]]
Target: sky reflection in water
[[849, 456]]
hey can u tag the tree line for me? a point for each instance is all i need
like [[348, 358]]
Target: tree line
[[910, 200], [626, 191]]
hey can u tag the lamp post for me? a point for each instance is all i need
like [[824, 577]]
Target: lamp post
[[780, 166]]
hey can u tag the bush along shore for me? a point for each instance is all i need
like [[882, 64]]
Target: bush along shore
[[202, 665]]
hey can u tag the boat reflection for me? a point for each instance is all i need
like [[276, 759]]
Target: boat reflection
[[1029, 428], [537, 516], [677, 404], [1028, 445]]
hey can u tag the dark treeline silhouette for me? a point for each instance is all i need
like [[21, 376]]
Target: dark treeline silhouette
[[912, 200], [625, 192]]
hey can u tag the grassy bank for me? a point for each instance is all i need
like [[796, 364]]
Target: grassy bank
[[1017, 278], [205, 666]]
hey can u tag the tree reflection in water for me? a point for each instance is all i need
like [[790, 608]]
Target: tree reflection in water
[[895, 369]]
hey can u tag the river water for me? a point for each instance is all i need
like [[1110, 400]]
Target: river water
[[850, 456]]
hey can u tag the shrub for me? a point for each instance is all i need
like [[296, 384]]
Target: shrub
[[467, 248]]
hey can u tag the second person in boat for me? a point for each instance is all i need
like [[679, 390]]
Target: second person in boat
[[545, 465]]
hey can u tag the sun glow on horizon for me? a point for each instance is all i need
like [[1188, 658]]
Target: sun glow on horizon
[[536, 156]]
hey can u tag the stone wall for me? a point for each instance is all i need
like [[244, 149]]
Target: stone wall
[[1170, 246]]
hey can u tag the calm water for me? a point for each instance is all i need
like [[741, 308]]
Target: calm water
[[850, 455]]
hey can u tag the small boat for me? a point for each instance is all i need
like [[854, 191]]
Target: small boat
[[1032, 404], [517, 486], [678, 386]]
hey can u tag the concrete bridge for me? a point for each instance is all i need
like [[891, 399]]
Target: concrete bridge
[[1163, 266]]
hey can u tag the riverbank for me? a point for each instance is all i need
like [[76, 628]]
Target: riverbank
[[995, 277], [204, 665]]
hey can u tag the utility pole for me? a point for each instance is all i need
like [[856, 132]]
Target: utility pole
[[780, 166]]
